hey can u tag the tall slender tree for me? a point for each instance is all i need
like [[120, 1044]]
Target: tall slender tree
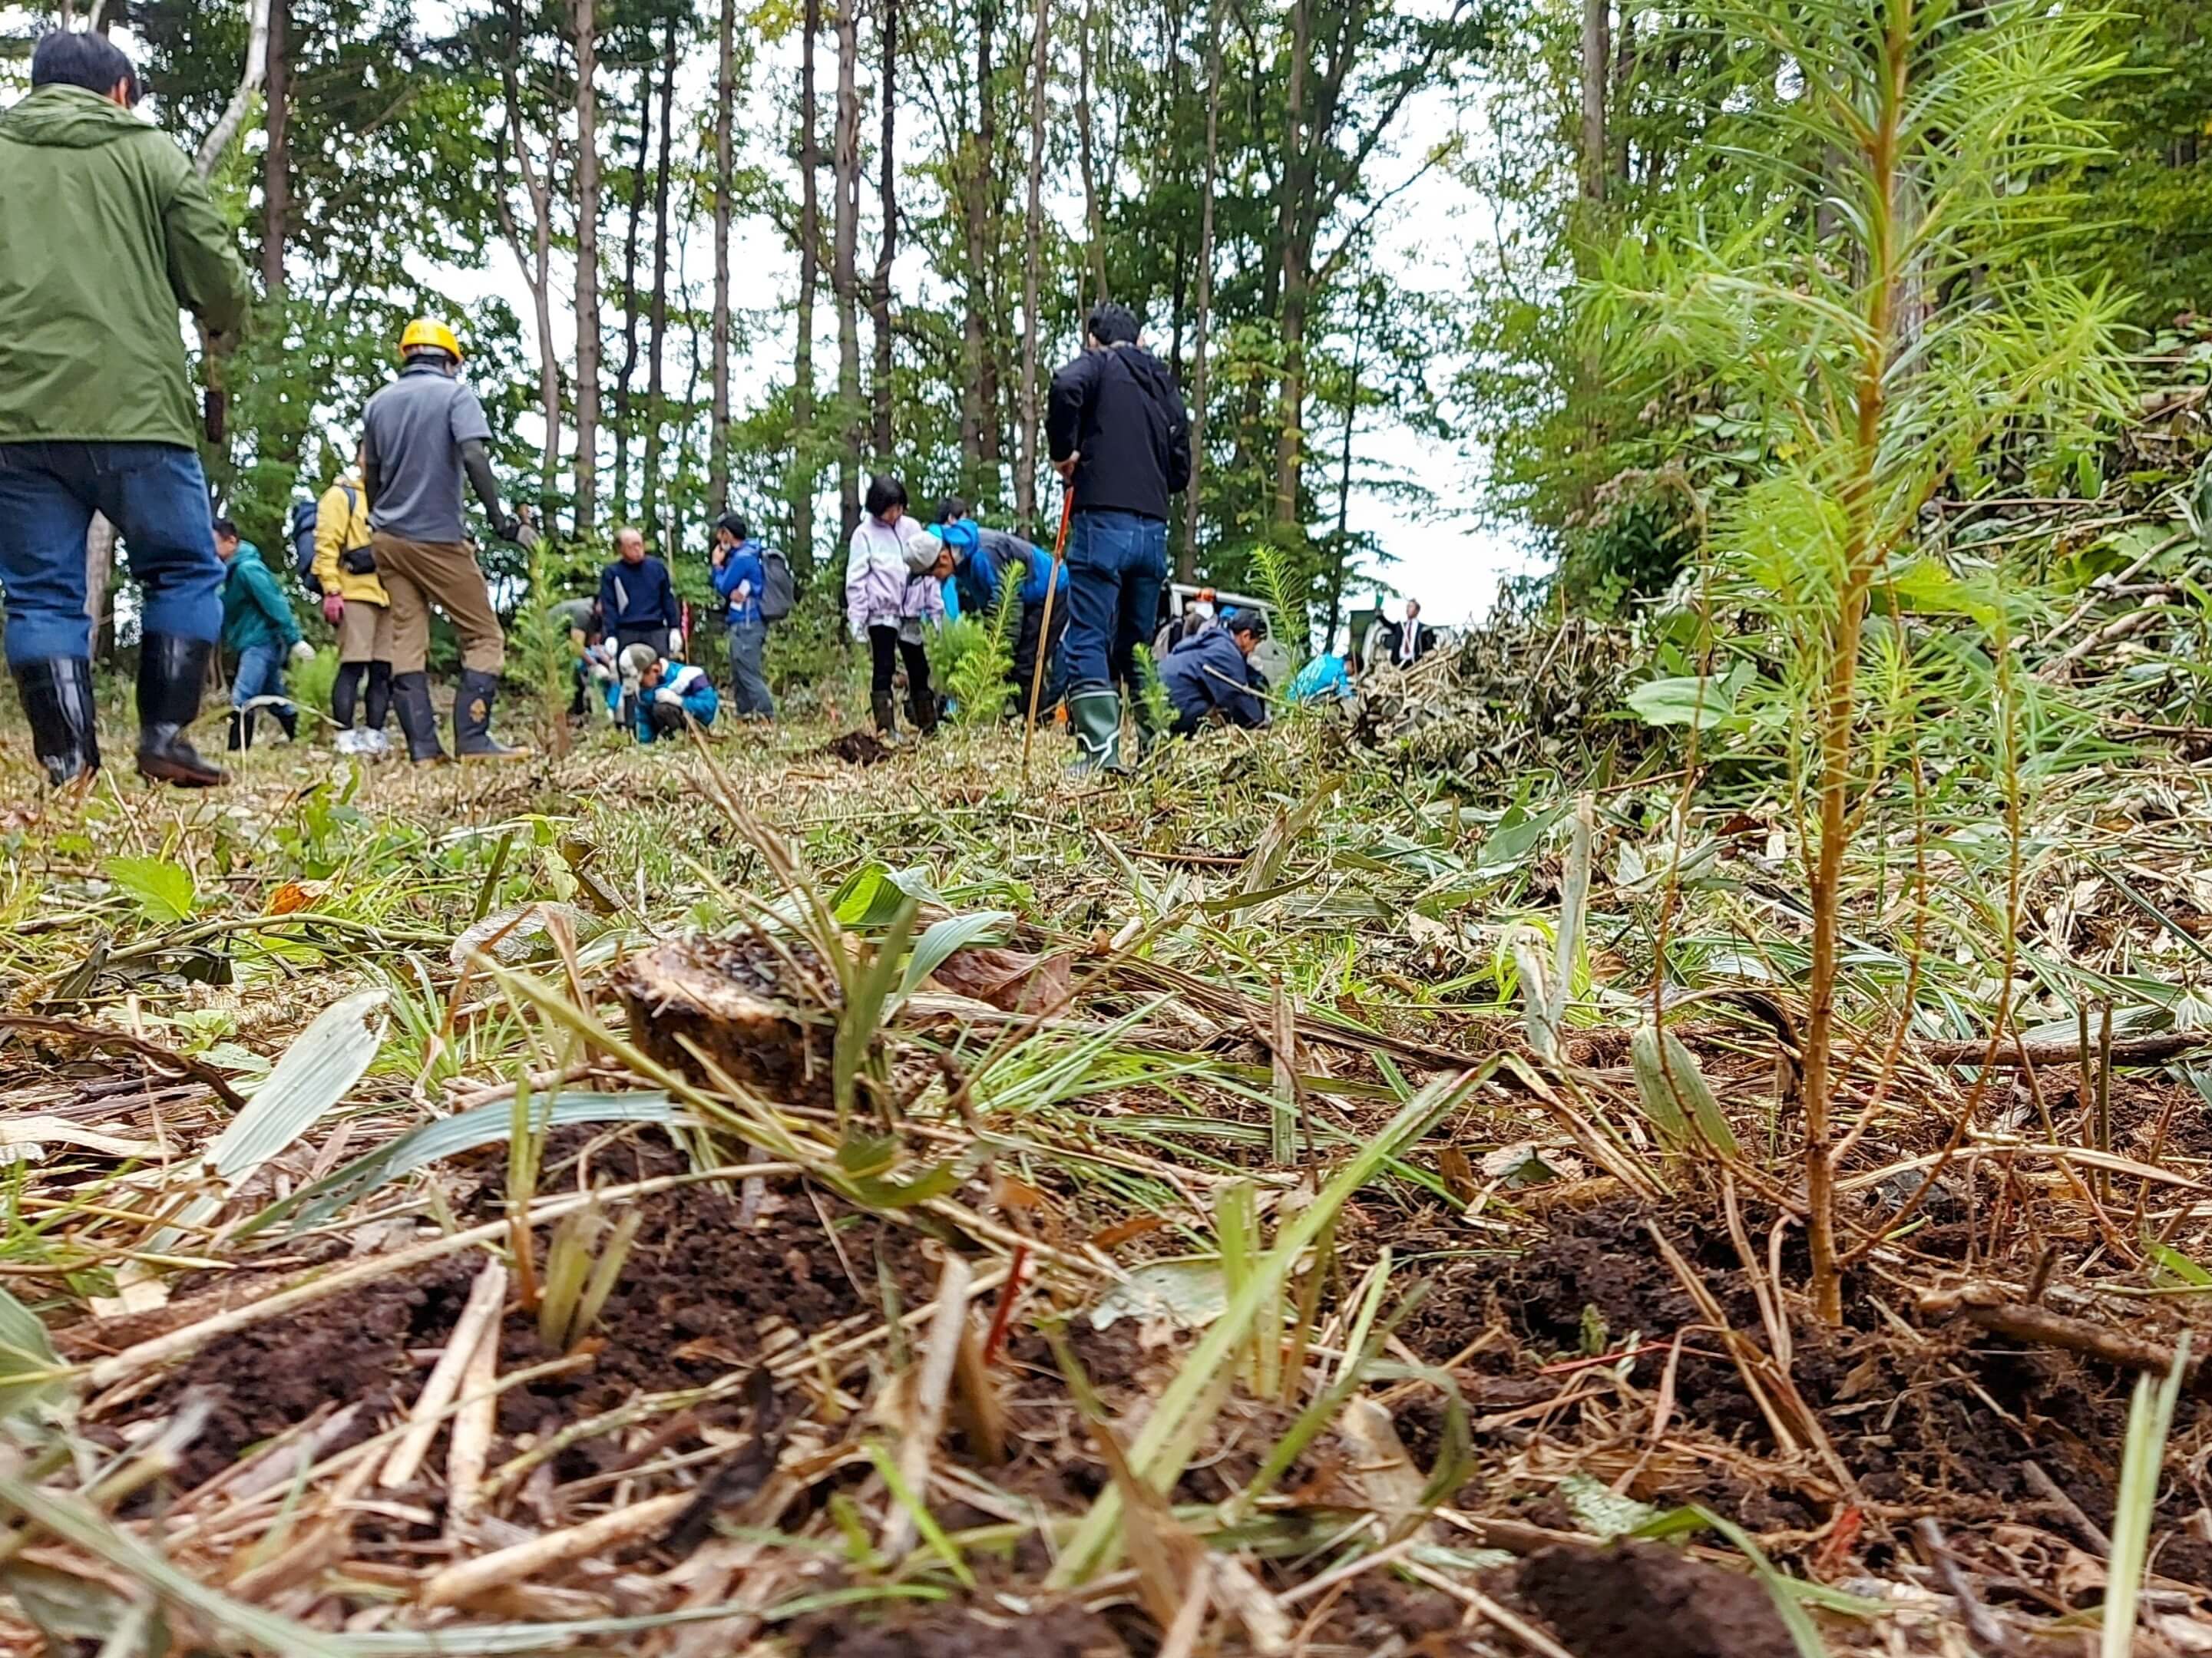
[[981, 453], [655, 413], [536, 268], [887, 250], [1187, 555], [844, 279], [1094, 227], [804, 471], [726, 97], [1025, 479], [276, 158], [625, 424], [585, 26], [1596, 66]]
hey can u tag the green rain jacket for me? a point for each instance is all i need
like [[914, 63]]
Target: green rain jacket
[[254, 609], [107, 232]]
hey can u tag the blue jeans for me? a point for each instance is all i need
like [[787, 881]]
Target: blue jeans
[[749, 684], [1115, 564], [156, 497], [260, 673]]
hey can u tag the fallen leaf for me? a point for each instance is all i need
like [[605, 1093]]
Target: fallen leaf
[[1013, 981]]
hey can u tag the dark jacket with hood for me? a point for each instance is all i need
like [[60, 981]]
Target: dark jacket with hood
[[107, 231], [1206, 672], [1118, 408]]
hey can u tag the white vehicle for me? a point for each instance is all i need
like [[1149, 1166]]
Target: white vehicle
[[1272, 656]]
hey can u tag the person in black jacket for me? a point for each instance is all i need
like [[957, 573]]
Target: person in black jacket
[[1119, 434], [637, 601]]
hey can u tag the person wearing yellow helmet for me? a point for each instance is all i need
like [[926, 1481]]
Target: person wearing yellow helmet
[[422, 436]]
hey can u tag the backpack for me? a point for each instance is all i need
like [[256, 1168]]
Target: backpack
[[302, 536], [305, 515], [778, 592]]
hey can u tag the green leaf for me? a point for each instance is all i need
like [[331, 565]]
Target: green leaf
[[449, 1137], [26, 1355], [955, 933], [1697, 699], [1676, 1095], [162, 889], [1927, 587]]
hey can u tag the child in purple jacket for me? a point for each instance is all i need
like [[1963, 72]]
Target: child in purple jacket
[[892, 587]]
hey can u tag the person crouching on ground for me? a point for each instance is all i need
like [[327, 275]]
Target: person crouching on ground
[[1327, 679], [258, 624], [662, 695], [741, 577], [894, 577], [1210, 678]]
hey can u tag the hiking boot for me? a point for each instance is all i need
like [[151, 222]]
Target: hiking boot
[[886, 713], [1094, 714], [172, 673], [418, 721], [56, 697], [473, 737]]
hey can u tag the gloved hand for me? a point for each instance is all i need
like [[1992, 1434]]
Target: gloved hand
[[509, 528], [333, 608], [667, 698], [676, 643], [302, 650]]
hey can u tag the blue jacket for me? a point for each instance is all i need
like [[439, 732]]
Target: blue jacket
[[1323, 678], [1036, 561], [693, 688], [639, 595], [743, 565], [254, 609], [1206, 672]]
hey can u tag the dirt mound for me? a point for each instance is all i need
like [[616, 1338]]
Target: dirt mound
[[860, 748], [1640, 1600], [905, 1628], [699, 1297]]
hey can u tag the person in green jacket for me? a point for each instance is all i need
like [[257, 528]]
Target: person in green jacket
[[258, 624], [108, 232]]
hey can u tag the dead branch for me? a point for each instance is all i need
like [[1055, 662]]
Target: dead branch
[[1990, 1306]]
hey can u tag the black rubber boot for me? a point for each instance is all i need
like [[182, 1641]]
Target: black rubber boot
[[473, 737], [288, 718], [379, 695], [57, 697], [172, 674], [418, 721], [241, 731], [345, 693], [886, 713]]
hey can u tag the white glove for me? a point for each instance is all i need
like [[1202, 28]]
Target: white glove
[[667, 698], [675, 642], [302, 650]]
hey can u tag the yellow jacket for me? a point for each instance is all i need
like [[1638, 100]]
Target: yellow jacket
[[337, 528]]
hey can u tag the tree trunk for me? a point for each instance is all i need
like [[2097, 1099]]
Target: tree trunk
[[1094, 232], [1187, 557], [803, 472], [623, 422], [880, 297], [978, 417], [1295, 222], [844, 279], [1341, 540], [276, 163], [649, 486], [1025, 477], [726, 90], [1597, 62], [536, 270], [587, 266]]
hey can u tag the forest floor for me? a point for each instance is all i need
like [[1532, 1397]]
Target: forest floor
[[1196, 1247]]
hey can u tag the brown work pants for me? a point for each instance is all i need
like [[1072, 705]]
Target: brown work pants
[[443, 575]]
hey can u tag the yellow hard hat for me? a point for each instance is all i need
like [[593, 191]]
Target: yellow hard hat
[[426, 331]]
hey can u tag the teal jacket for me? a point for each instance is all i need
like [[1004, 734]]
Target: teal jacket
[[254, 610], [107, 232]]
